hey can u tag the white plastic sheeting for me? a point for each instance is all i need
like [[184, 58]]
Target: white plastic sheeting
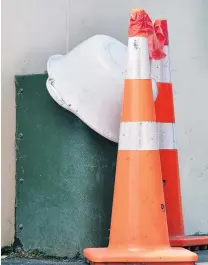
[[89, 82]]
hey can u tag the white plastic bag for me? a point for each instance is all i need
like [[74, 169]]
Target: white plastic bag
[[89, 82]]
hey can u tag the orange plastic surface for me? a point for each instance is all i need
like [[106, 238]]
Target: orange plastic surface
[[139, 232], [164, 105], [135, 106], [186, 241]]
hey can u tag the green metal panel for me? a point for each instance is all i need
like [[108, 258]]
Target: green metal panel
[[65, 175]]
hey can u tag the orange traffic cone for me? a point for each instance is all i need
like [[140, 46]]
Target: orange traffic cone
[[168, 153], [139, 227]]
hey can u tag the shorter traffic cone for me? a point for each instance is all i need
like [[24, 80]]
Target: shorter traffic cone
[[165, 116], [139, 231]]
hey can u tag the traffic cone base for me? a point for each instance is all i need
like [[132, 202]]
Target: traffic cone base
[[162, 256], [142, 263], [200, 242]]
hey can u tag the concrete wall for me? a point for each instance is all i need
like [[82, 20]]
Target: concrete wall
[[33, 30], [189, 42]]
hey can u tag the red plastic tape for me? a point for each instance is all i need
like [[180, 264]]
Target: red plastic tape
[[164, 26], [140, 24], [155, 48], [156, 43]]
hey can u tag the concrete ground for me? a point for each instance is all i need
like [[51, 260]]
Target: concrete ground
[[48, 262], [39, 262], [203, 256], [203, 260]]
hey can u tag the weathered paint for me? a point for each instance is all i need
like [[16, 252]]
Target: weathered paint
[[65, 175]]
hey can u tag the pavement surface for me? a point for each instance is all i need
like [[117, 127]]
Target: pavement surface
[[39, 262], [203, 260], [203, 256]]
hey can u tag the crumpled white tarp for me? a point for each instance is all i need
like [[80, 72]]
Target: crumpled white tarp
[[89, 82]]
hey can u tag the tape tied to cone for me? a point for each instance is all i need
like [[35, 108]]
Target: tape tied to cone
[[142, 25]]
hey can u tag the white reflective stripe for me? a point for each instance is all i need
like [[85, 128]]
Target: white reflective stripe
[[167, 135], [139, 136], [138, 66], [161, 68]]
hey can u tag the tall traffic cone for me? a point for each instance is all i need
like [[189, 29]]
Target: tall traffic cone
[[138, 226], [165, 116]]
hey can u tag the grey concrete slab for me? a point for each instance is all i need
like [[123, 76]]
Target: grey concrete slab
[[203, 255], [203, 260], [17, 261]]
